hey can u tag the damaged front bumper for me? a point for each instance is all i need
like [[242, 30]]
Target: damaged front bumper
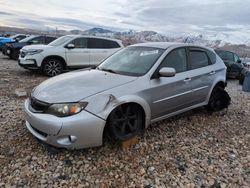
[[74, 132]]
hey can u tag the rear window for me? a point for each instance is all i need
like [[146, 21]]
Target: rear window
[[102, 43]]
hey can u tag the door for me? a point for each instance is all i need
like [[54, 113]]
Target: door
[[79, 55], [100, 49], [171, 94], [203, 74]]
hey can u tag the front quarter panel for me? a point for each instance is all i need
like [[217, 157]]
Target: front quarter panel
[[102, 104]]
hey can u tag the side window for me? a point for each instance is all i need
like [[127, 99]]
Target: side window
[[176, 59], [102, 43], [49, 40], [37, 40], [229, 56], [96, 43], [110, 44], [80, 42], [20, 37], [236, 58], [198, 59]]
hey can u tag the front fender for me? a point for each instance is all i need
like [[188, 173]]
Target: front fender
[[103, 104]]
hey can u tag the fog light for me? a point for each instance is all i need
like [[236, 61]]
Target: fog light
[[72, 139], [66, 140]]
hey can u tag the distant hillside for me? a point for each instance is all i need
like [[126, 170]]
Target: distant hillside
[[239, 44], [242, 50]]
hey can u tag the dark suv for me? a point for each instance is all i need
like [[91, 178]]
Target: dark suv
[[13, 49], [235, 68]]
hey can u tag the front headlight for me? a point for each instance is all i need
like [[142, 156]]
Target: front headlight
[[33, 52], [63, 110]]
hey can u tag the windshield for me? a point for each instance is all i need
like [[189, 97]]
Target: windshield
[[27, 39], [61, 41], [13, 36], [132, 61]]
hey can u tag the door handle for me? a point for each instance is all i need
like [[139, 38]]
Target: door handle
[[212, 72], [187, 79]]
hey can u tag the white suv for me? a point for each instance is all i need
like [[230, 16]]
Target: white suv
[[71, 51]]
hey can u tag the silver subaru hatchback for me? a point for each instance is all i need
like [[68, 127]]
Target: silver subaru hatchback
[[131, 89]]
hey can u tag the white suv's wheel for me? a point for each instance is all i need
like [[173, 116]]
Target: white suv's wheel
[[52, 67]]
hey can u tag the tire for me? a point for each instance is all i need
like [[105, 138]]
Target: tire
[[241, 79], [219, 100], [52, 67], [14, 55], [125, 122]]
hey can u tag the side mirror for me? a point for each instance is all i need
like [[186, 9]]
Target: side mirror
[[70, 46], [167, 72], [238, 61]]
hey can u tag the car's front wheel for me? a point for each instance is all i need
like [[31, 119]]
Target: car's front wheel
[[125, 122], [14, 54], [52, 67]]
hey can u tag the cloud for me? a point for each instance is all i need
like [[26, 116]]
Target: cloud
[[159, 15], [5, 13], [120, 14]]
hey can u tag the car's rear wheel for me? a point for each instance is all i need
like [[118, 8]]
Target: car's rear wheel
[[125, 122], [219, 99], [52, 67]]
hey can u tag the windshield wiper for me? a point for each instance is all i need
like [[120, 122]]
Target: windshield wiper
[[108, 70]]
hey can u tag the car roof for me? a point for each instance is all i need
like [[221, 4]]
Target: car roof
[[165, 45], [97, 37]]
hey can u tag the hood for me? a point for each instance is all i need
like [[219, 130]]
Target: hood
[[34, 47], [6, 40], [3, 41], [19, 44], [74, 86]]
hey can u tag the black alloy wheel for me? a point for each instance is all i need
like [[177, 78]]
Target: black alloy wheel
[[125, 122], [219, 100]]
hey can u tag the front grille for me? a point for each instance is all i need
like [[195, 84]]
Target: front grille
[[40, 132], [38, 106]]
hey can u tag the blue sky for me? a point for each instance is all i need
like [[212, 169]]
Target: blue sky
[[164, 16]]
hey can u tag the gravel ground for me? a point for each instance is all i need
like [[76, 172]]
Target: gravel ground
[[195, 149]]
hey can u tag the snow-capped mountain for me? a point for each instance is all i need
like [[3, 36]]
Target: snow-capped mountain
[[213, 40], [98, 31]]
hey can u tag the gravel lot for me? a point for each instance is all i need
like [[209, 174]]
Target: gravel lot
[[195, 149]]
